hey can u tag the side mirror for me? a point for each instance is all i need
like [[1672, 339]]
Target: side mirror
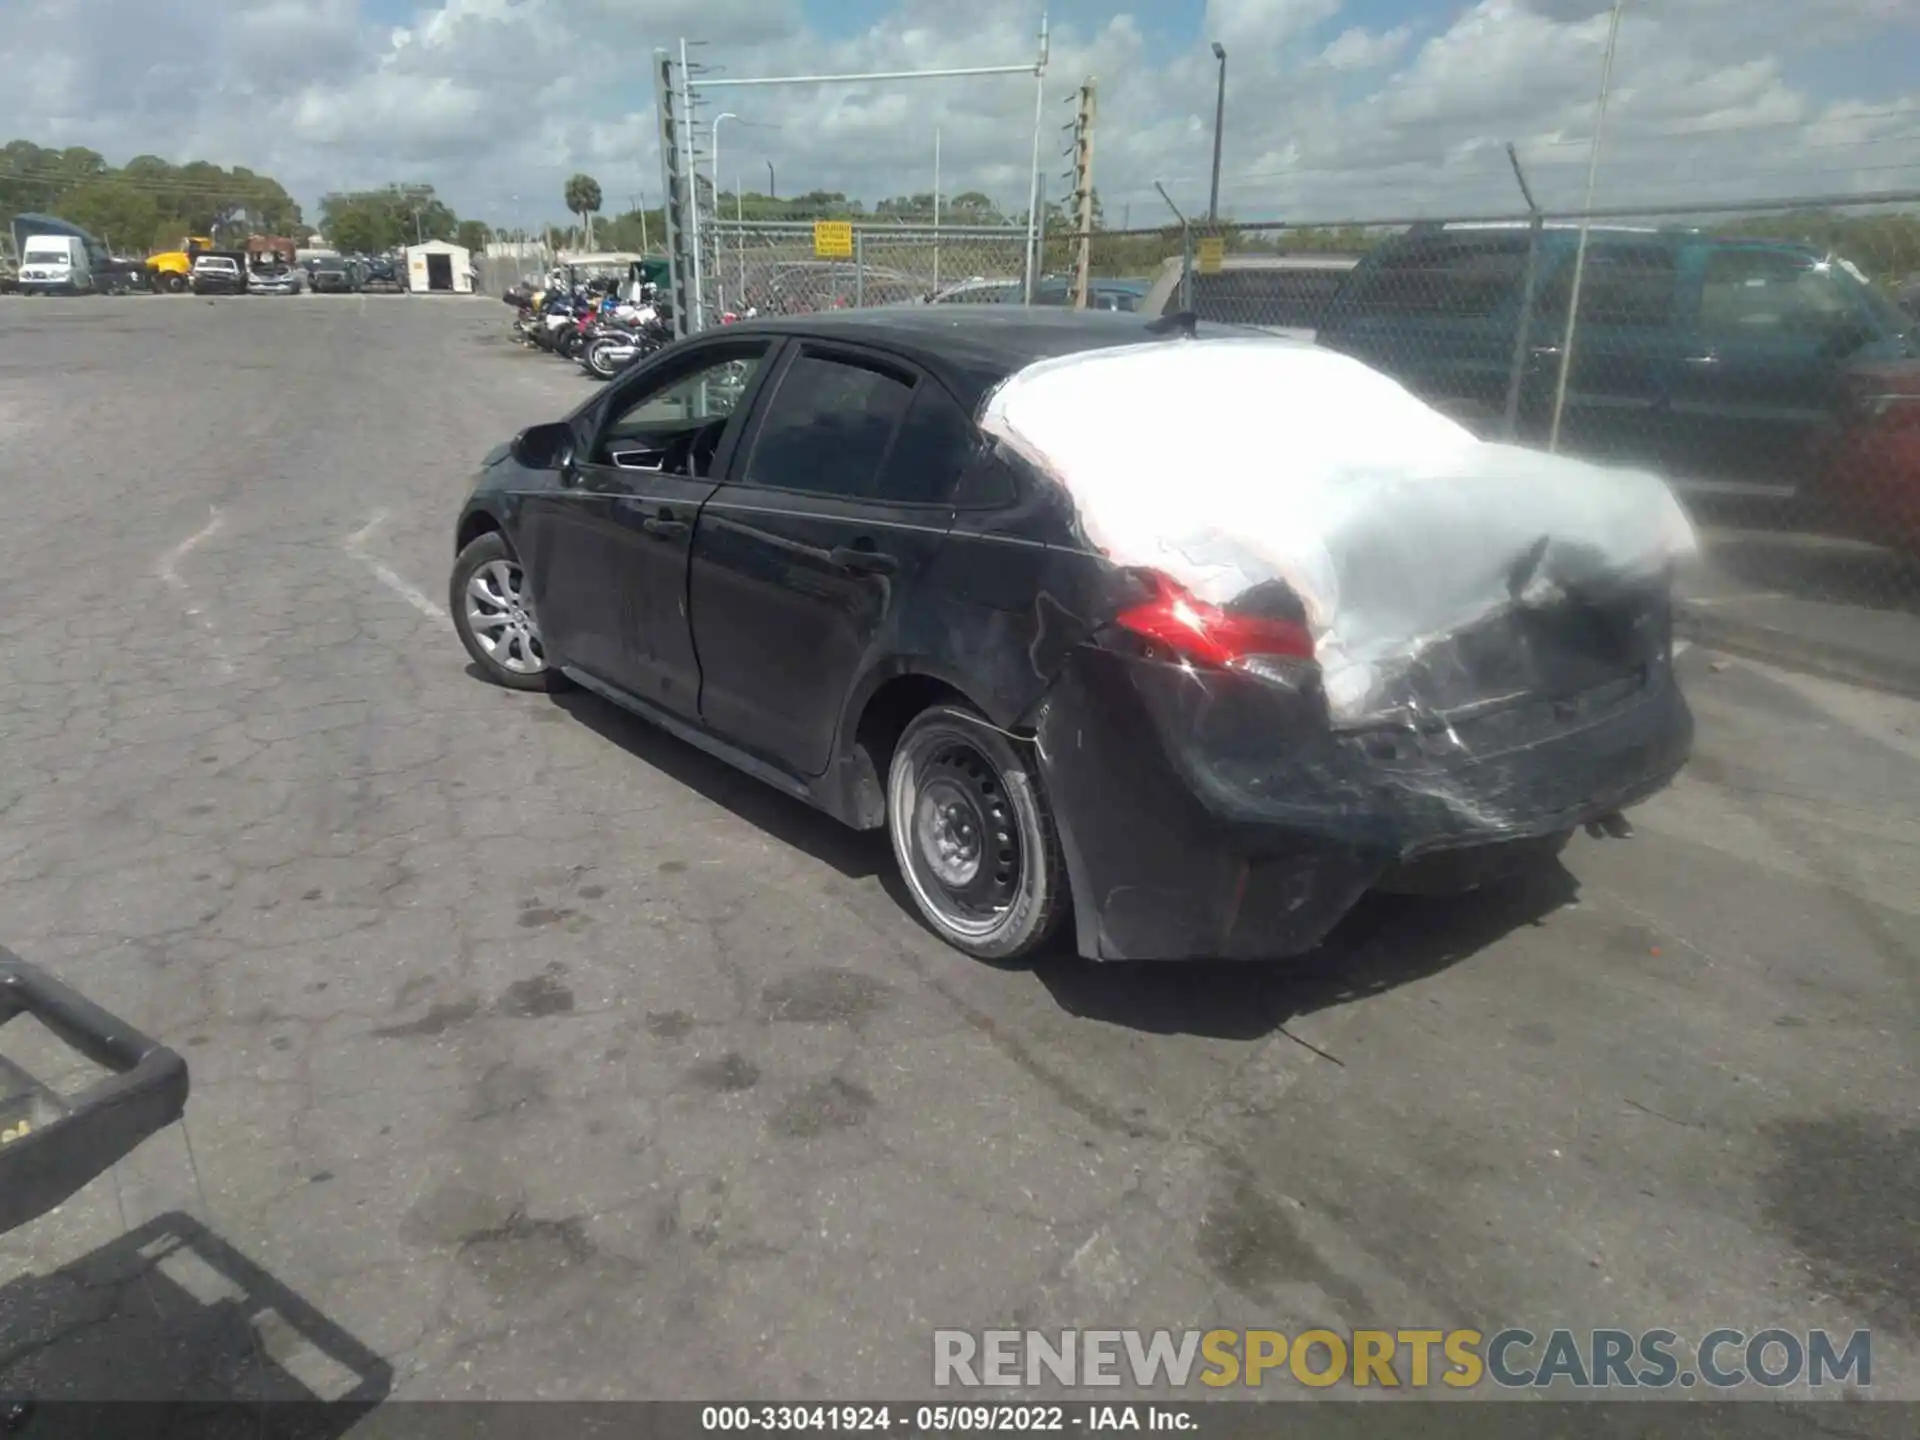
[[544, 447]]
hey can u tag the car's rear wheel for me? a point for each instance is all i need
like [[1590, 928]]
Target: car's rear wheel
[[974, 836], [495, 619]]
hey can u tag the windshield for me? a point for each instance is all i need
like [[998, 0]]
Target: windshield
[[46, 255]]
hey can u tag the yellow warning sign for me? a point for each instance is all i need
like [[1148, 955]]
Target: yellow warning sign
[[833, 239], [1209, 255]]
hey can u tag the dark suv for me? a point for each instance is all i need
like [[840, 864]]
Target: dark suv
[[1725, 363]]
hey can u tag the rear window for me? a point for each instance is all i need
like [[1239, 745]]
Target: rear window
[[1293, 299], [1442, 277]]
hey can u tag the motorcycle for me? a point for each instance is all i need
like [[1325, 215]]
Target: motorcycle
[[626, 333]]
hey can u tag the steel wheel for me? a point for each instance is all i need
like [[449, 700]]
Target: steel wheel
[[966, 847], [501, 621], [973, 835]]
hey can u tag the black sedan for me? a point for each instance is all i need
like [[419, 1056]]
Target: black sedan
[[792, 544]]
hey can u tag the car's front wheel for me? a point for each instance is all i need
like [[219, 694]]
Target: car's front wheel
[[974, 836], [495, 619]]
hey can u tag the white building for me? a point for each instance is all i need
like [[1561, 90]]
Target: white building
[[438, 267]]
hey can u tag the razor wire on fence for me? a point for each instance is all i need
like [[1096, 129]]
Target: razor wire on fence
[[1761, 356]]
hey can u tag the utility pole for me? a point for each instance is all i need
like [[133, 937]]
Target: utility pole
[[1083, 189], [673, 186], [1219, 125]]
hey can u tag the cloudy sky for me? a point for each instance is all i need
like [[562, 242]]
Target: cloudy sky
[[1335, 108]]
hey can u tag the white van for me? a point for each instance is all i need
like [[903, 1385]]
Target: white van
[[55, 265]]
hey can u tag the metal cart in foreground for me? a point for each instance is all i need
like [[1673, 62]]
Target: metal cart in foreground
[[53, 1144]]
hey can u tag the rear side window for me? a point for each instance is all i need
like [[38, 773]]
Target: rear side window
[[1293, 299], [829, 427], [1446, 277], [1623, 285], [933, 446]]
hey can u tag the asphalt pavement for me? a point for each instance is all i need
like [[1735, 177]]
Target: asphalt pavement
[[535, 1054]]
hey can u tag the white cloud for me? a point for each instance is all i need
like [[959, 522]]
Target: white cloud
[[1326, 119], [1362, 49]]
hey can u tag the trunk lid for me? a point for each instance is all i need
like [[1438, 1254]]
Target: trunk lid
[[1439, 575]]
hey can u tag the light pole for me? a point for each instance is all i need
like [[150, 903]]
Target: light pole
[[1219, 124], [773, 192], [720, 289]]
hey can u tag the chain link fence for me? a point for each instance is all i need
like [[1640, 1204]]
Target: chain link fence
[[1762, 357], [505, 264], [782, 268]]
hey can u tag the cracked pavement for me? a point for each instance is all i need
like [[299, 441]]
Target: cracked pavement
[[546, 1057]]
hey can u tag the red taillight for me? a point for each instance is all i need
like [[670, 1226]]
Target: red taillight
[[1206, 634]]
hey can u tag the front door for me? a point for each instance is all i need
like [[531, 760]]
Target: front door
[[1765, 367], [804, 560], [666, 433], [439, 272]]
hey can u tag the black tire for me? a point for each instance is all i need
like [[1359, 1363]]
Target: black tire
[[487, 554], [173, 284], [1000, 892]]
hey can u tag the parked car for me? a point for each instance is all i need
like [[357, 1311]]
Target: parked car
[[1720, 361], [218, 275], [276, 278], [1102, 294], [336, 274], [897, 564], [383, 272], [1284, 294]]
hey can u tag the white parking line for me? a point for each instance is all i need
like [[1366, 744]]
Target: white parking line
[[169, 571], [415, 597]]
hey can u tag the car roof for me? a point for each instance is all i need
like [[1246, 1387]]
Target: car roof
[[972, 348]]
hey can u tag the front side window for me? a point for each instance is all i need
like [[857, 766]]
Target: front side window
[[829, 427], [709, 392], [1768, 293]]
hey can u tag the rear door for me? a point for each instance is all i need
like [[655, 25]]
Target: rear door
[[1437, 312], [836, 504], [1626, 353]]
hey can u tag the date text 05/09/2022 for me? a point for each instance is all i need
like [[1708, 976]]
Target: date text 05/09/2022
[[946, 1419]]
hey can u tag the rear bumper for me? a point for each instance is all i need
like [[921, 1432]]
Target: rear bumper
[[1201, 820]]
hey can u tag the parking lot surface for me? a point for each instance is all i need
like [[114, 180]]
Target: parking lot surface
[[543, 1056]]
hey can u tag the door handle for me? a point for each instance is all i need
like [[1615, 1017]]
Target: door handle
[[863, 560], [664, 527], [1707, 359]]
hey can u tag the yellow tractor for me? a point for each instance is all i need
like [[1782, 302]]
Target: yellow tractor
[[168, 271]]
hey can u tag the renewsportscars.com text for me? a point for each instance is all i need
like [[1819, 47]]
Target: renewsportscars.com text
[[1512, 1358]]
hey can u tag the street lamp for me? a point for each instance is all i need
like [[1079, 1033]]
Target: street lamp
[[772, 192], [1219, 123]]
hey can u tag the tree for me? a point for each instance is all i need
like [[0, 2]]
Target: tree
[[471, 235], [148, 202], [119, 212], [583, 199]]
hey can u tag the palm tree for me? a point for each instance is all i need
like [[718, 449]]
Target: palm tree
[[583, 199]]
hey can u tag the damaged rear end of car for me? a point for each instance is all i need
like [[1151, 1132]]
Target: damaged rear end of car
[[1328, 643]]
